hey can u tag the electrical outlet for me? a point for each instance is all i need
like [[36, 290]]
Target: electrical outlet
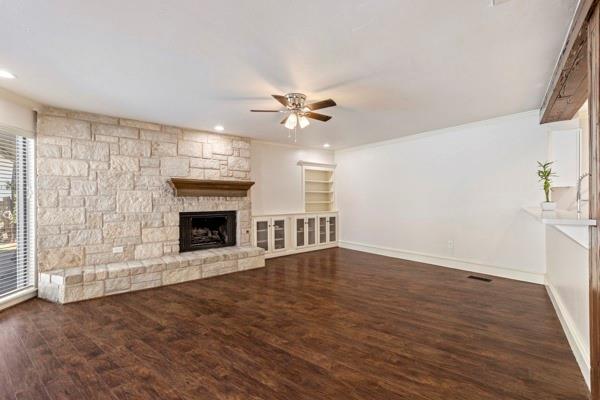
[[450, 244], [117, 250]]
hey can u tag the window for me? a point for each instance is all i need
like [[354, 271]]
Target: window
[[16, 222]]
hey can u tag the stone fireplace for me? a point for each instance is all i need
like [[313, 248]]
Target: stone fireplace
[[206, 230], [108, 218]]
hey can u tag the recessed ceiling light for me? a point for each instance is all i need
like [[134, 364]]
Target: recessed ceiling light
[[6, 74], [219, 128], [327, 145]]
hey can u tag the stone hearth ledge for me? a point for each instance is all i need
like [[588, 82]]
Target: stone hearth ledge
[[83, 283]]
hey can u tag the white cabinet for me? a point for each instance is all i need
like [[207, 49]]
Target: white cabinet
[[327, 229], [262, 238], [270, 233], [294, 233], [323, 229], [279, 226], [305, 230]]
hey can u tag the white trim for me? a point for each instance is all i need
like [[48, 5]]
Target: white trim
[[17, 297], [298, 250], [16, 131], [433, 132], [575, 341], [32, 200], [316, 164], [448, 262], [20, 100], [294, 213]]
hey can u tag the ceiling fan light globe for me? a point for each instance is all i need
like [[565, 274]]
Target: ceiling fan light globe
[[292, 121], [304, 122]]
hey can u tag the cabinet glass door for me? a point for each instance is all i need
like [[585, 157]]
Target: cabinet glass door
[[262, 234], [322, 230], [311, 226], [299, 232], [278, 234], [332, 229]]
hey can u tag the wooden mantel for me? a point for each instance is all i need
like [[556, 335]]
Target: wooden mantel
[[196, 187]]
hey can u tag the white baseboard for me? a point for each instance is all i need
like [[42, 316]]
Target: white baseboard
[[447, 262], [575, 341], [293, 251], [17, 297]]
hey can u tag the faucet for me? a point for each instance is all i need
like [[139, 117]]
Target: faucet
[[579, 191]]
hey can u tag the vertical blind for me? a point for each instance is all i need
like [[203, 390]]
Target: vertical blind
[[16, 226]]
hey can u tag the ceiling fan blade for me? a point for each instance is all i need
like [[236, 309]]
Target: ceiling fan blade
[[280, 99], [321, 104], [283, 121], [264, 110], [317, 116]]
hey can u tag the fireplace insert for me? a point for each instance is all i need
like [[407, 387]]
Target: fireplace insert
[[206, 230]]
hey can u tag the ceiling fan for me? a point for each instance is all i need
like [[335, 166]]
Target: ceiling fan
[[298, 112]]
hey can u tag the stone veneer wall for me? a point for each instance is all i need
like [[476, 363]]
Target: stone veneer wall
[[102, 182]]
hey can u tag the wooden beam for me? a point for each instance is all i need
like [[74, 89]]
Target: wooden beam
[[197, 187], [594, 116], [568, 88]]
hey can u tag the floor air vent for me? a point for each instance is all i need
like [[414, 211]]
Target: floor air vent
[[479, 278]]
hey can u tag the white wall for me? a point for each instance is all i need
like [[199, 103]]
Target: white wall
[[567, 282], [278, 187], [16, 114], [411, 196]]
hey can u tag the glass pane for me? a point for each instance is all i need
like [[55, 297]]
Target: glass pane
[[312, 233], [300, 232], [262, 234], [14, 251], [332, 229], [279, 234], [322, 229]]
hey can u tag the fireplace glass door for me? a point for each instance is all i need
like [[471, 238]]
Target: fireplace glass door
[[206, 230]]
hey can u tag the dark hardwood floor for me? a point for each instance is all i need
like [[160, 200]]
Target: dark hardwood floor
[[332, 324]]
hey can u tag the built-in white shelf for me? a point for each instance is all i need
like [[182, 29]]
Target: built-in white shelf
[[317, 186], [316, 181]]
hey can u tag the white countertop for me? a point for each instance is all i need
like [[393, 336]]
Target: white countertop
[[560, 217]]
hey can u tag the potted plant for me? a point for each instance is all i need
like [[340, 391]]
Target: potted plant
[[545, 174]]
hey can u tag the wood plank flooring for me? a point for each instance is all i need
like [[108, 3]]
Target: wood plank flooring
[[332, 324]]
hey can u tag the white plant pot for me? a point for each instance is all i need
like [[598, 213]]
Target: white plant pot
[[548, 206]]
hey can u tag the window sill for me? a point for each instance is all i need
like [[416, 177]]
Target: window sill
[[17, 297]]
